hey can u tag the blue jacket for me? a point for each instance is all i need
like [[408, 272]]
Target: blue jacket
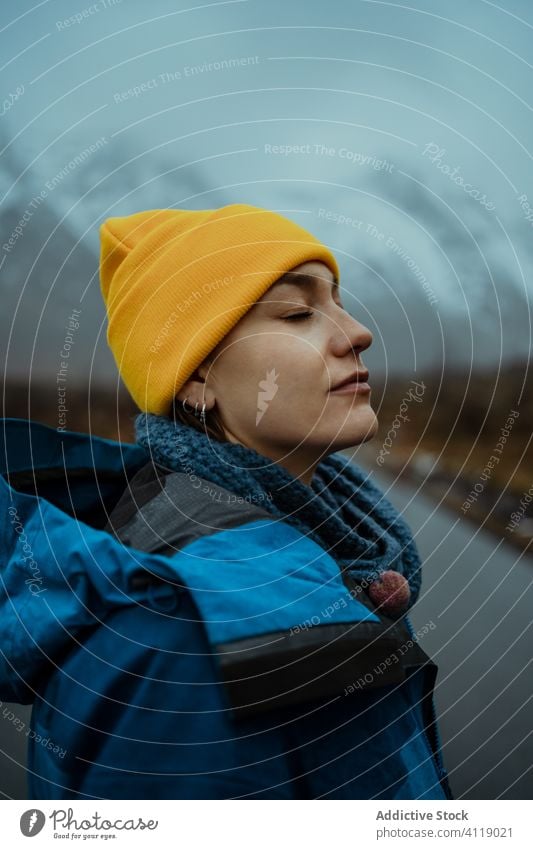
[[175, 643]]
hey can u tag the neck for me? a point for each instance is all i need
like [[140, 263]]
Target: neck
[[300, 465], [303, 471]]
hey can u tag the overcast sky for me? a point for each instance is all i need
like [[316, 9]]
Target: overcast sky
[[409, 133]]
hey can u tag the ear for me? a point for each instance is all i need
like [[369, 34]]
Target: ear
[[195, 385], [193, 388]]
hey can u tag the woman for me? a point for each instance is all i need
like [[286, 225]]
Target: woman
[[234, 625]]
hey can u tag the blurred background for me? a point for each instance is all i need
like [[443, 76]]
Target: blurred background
[[399, 135]]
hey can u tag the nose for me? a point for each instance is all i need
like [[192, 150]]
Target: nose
[[349, 334]]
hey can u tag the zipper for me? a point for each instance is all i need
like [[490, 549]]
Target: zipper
[[434, 744]]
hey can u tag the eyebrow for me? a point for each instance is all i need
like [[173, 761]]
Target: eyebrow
[[302, 280]]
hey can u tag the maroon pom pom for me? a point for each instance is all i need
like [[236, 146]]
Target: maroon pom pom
[[391, 593]]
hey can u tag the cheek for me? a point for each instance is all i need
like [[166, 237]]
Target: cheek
[[278, 361], [242, 365], [298, 364]]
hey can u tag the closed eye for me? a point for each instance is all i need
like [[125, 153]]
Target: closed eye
[[302, 316], [297, 315]]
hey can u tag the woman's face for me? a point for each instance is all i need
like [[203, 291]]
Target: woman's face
[[271, 377]]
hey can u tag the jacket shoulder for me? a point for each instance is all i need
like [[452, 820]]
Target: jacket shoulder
[[162, 510]]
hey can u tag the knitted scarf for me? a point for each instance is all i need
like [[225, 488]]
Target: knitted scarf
[[342, 510]]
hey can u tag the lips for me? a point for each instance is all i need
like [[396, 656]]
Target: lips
[[355, 377]]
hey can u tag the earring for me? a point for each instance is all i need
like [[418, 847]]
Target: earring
[[201, 415]]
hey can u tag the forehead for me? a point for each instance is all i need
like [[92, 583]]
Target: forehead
[[308, 275], [312, 268]]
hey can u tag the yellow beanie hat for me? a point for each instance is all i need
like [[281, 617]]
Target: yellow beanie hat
[[175, 282]]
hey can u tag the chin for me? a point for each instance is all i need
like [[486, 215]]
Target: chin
[[355, 433]]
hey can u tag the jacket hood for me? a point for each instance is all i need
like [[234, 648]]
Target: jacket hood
[[56, 490]]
